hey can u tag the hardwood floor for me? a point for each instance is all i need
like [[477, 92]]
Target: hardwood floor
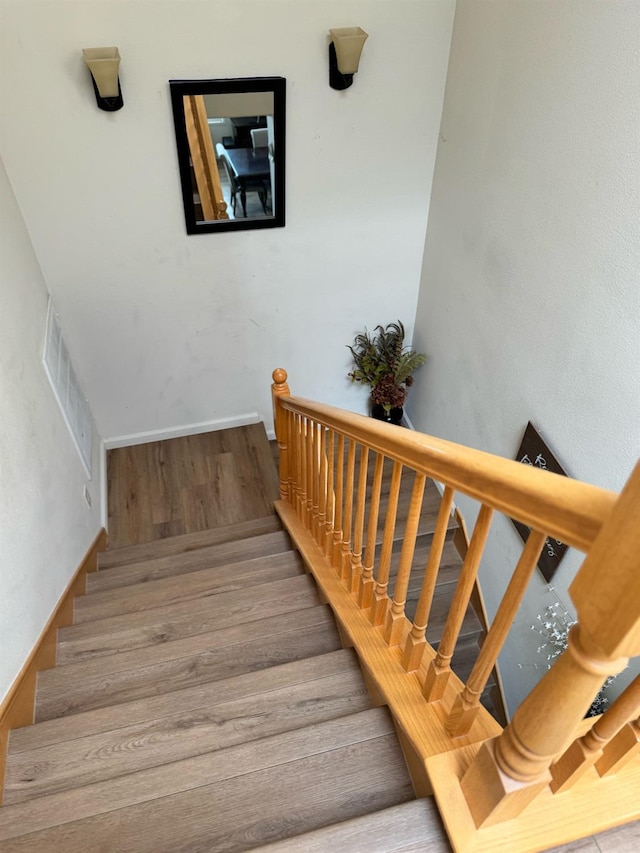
[[184, 485]]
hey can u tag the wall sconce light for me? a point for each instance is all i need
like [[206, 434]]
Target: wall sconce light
[[103, 64], [345, 47]]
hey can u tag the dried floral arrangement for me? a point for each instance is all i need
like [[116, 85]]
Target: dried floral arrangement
[[382, 361], [553, 626]]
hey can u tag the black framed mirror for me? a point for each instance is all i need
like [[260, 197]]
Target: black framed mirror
[[230, 136]]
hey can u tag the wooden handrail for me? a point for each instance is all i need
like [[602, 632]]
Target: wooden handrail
[[203, 159], [566, 509], [503, 778]]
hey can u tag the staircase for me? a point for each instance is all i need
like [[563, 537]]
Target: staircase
[[202, 700]]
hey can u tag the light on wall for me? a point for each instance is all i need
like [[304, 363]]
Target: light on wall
[[103, 64], [345, 47]]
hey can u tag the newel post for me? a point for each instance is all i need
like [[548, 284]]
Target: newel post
[[280, 421], [510, 771]]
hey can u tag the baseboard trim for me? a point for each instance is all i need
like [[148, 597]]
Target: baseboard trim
[[180, 431], [18, 707]]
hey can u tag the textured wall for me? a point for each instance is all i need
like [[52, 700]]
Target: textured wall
[[171, 330], [530, 300], [45, 525]]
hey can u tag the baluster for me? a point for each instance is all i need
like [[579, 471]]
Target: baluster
[[291, 457], [589, 749], [302, 509], [280, 419], [365, 593], [312, 506], [345, 545], [509, 772], [380, 602], [440, 667], [322, 486], [331, 502], [395, 616], [416, 641], [308, 512], [297, 430], [624, 747], [358, 531], [466, 705], [339, 480]]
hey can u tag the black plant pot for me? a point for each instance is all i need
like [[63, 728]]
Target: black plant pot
[[394, 416]]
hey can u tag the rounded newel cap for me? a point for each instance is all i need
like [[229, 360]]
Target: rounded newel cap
[[279, 375]]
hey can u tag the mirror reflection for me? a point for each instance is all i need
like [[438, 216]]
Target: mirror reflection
[[230, 138]]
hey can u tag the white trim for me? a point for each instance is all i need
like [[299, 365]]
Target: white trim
[[405, 418], [180, 431], [271, 434]]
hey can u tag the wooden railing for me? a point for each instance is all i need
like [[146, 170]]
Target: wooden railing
[[203, 159], [549, 776]]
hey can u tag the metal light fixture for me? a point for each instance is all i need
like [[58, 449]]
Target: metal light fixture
[[345, 47], [103, 64]]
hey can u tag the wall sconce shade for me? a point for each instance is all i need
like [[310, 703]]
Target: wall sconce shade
[[103, 64], [345, 47]]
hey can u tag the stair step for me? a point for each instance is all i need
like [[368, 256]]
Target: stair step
[[187, 542], [202, 583], [201, 658], [226, 553], [411, 827], [282, 785], [182, 724], [160, 625], [113, 717]]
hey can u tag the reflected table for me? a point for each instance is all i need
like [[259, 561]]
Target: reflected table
[[252, 172]]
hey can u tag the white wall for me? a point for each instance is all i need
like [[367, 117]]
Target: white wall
[[45, 525], [530, 299], [171, 330]]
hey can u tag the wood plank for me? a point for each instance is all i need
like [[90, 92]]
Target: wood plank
[[292, 798], [343, 661], [179, 735], [188, 542], [412, 827], [160, 782], [192, 585], [132, 632], [204, 482], [183, 663], [223, 554]]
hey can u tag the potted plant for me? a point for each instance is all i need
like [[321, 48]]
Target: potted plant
[[383, 362]]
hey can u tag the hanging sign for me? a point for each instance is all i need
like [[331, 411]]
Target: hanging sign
[[533, 451]]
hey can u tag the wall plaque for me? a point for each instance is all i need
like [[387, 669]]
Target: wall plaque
[[533, 451]]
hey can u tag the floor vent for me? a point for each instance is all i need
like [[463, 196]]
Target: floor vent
[[66, 388]]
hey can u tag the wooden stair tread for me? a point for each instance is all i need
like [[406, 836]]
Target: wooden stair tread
[[411, 827], [151, 708], [260, 710], [275, 780], [186, 587], [183, 663], [161, 625], [275, 542], [188, 542]]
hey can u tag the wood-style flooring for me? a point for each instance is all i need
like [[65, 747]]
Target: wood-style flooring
[[184, 485]]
